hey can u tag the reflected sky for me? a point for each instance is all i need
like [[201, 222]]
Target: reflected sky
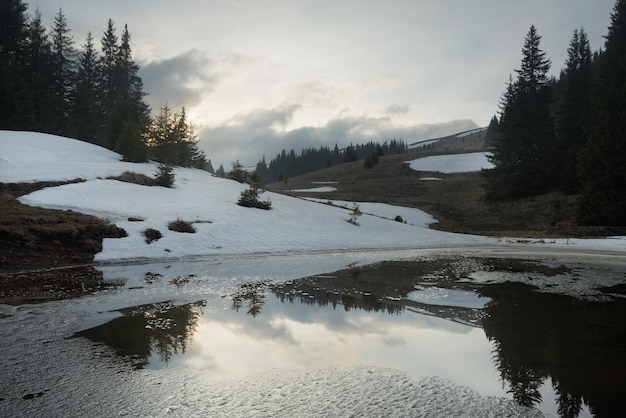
[[228, 343], [504, 338]]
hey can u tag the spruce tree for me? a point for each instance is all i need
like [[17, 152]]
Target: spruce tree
[[13, 28], [574, 106], [492, 132], [172, 139], [63, 71], [39, 62], [16, 105], [85, 102], [602, 163], [107, 68], [524, 154], [129, 108]]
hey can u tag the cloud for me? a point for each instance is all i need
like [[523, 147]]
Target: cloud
[[396, 109], [249, 136], [182, 80]]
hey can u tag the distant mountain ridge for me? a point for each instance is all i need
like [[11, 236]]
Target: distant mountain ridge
[[470, 140]]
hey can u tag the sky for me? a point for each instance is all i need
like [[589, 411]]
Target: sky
[[259, 76]]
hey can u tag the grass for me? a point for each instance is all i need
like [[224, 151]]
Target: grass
[[181, 226], [457, 201], [34, 238], [136, 178]]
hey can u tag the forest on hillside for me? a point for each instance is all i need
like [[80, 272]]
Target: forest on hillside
[[566, 134], [290, 164], [49, 85]]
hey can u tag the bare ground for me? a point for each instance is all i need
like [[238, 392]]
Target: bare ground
[[40, 249], [456, 201]]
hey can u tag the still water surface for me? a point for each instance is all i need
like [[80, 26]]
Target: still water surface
[[563, 355]]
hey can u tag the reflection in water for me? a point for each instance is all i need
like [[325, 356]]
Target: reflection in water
[[309, 295], [580, 345], [253, 295], [163, 329], [531, 336]]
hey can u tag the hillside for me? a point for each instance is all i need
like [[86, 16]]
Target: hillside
[[467, 141], [456, 200], [62, 204]]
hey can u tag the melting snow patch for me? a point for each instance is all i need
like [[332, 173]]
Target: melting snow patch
[[448, 297], [322, 189], [453, 163]]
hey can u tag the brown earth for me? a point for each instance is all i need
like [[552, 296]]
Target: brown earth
[[40, 249], [456, 201], [45, 254]]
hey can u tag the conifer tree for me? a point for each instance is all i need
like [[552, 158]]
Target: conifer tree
[[492, 132], [86, 106], [38, 61], [172, 139], [63, 71], [16, 106], [107, 68], [524, 154], [13, 20], [209, 167], [129, 109], [574, 106], [602, 167]]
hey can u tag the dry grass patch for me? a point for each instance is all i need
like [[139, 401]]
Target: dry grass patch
[[136, 178], [181, 226], [457, 201]]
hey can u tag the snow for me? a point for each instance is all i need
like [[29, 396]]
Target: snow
[[322, 189], [223, 227], [433, 295], [232, 245], [411, 216], [453, 163]]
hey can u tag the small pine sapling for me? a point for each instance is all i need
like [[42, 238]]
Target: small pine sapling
[[354, 214]]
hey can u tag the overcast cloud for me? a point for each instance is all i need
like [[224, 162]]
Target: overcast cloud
[[257, 76]]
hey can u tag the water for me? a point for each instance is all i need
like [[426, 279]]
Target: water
[[561, 354]]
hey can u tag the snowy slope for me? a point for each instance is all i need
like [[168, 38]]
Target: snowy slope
[[84, 380], [223, 227]]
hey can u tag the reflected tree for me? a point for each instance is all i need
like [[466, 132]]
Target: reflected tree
[[569, 403], [162, 328], [252, 295], [579, 345], [313, 295]]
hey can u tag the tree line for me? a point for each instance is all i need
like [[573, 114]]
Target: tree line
[[569, 133], [48, 85], [290, 164]]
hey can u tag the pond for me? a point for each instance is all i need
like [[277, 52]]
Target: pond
[[494, 325]]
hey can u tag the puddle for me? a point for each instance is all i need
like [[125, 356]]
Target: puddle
[[561, 354]]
